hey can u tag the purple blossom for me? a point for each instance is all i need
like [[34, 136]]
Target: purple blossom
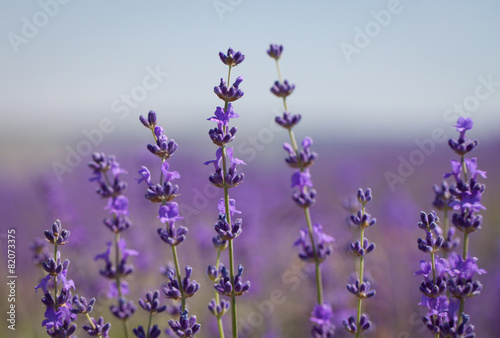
[[169, 213], [301, 179], [463, 124], [145, 175], [282, 89], [222, 117], [232, 207], [464, 268], [169, 175], [275, 51], [232, 59], [231, 94]]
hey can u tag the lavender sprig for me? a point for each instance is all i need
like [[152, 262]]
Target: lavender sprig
[[164, 192], [467, 193], [226, 176], [313, 249], [116, 268], [361, 288], [59, 315]]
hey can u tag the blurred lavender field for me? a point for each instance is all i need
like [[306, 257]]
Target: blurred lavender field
[[32, 198]]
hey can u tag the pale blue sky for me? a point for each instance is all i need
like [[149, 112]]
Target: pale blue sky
[[429, 56]]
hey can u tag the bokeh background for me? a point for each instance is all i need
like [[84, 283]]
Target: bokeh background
[[375, 81]]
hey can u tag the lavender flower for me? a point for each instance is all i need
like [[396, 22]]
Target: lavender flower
[[186, 326], [361, 287], [313, 242], [226, 176], [164, 192], [59, 315], [116, 268]]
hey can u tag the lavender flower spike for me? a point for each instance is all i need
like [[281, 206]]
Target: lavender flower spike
[[164, 191]]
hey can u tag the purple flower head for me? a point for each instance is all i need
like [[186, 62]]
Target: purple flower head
[[150, 122], [463, 124], [218, 310], [60, 323], [442, 268], [125, 253], [169, 175], [221, 117], [474, 171], [231, 94], [225, 231], [467, 221], [145, 175], [124, 309], [464, 268], [322, 314], [351, 326], [233, 160], [288, 120], [238, 287], [57, 235], [99, 328], [443, 197], [462, 146], [231, 59], [106, 254], [306, 156], [173, 236], [321, 317], [322, 243], [164, 148], [456, 168], [186, 327], [216, 162], [169, 213], [118, 205], [301, 179], [282, 89], [151, 303], [275, 51], [154, 332], [232, 207], [82, 306]]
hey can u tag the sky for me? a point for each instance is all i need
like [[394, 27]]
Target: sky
[[391, 70]]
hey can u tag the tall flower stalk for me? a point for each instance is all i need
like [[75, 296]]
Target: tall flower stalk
[[178, 288], [107, 173], [225, 177], [361, 287], [313, 242], [448, 281], [60, 317]]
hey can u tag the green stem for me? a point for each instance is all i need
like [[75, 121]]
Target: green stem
[[361, 277], [91, 323], [319, 286], [230, 242], [149, 324], [117, 264], [217, 300], [55, 280], [179, 280]]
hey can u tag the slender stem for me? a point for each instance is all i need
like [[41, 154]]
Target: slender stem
[[117, 264], [233, 296], [149, 324], [230, 242], [319, 286], [92, 323], [361, 277], [55, 280], [179, 280], [217, 300]]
